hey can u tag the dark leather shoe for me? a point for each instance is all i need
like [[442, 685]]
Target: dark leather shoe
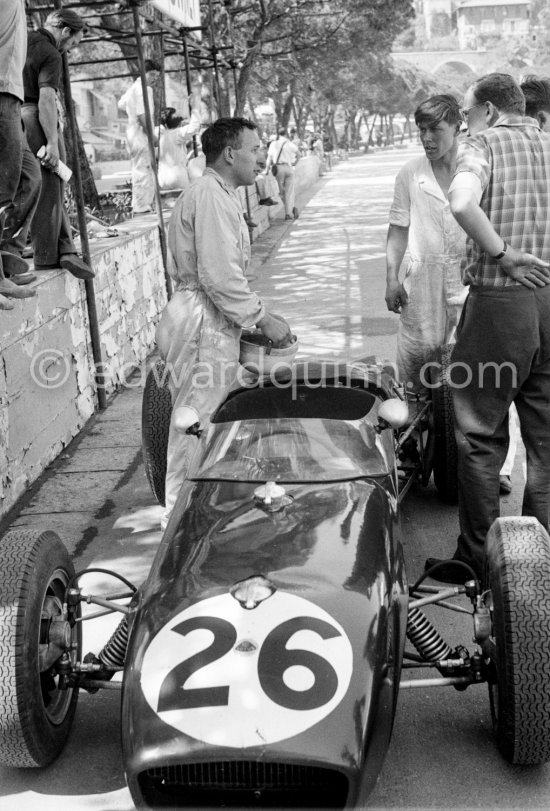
[[295, 213], [16, 269], [77, 266], [505, 485], [450, 571], [267, 201], [288, 217]]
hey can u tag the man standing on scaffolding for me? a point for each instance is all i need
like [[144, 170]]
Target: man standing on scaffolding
[[143, 179]]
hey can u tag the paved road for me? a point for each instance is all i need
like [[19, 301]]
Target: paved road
[[327, 275], [114, 174]]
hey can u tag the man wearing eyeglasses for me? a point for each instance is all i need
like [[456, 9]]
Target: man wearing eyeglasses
[[500, 195]]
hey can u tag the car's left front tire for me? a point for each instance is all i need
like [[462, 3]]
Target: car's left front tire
[[36, 714]]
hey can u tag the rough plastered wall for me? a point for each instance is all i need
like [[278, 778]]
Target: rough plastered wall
[[47, 382]]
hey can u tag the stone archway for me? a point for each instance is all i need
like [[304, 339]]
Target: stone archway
[[456, 73]]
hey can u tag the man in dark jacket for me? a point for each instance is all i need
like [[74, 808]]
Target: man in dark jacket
[[50, 229]]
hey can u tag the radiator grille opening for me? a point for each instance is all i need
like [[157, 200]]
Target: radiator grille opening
[[243, 783]]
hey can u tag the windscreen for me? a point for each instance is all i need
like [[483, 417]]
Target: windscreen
[[289, 450]]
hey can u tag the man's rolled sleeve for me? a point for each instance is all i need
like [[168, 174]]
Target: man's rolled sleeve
[[474, 157], [221, 259], [400, 211]]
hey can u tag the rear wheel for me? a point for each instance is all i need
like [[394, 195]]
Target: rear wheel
[[518, 576], [445, 456], [155, 425], [36, 712]]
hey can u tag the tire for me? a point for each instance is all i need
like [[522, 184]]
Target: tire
[[155, 425], [35, 714], [445, 456], [518, 575]]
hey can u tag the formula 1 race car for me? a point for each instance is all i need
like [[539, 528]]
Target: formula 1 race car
[[263, 656]]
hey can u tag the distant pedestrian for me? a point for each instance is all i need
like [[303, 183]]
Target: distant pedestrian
[[51, 235], [132, 102], [284, 155]]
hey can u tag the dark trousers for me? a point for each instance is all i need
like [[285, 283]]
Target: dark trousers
[[19, 177], [50, 227], [502, 355]]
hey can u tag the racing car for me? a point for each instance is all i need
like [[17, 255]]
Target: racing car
[[263, 656]]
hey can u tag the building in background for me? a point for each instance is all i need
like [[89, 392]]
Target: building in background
[[478, 21]]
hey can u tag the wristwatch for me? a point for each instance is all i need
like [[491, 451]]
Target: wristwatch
[[501, 254]]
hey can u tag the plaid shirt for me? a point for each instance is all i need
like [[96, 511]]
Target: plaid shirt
[[512, 161]]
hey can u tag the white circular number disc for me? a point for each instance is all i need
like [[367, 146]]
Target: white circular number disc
[[234, 677]]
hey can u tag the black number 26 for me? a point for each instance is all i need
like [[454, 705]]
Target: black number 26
[[274, 659]]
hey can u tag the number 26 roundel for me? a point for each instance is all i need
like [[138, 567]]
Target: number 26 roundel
[[235, 677]]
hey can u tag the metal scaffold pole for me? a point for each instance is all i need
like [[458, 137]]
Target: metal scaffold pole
[[214, 52], [95, 337], [151, 140], [188, 83]]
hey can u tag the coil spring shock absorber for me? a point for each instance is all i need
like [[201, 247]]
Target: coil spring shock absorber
[[113, 653], [427, 641]]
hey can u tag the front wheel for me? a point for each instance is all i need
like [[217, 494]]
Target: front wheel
[[518, 576], [36, 644], [155, 427]]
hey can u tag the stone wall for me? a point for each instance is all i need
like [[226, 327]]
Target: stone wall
[[47, 380]]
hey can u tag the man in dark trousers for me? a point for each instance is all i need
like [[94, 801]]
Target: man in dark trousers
[[500, 195], [50, 229], [19, 170]]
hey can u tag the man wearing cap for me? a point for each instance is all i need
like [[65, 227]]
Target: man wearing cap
[[51, 237], [19, 170], [143, 179]]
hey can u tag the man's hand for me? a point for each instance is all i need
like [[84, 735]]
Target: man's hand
[[525, 268], [276, 329], [51, 159], [396, 296]]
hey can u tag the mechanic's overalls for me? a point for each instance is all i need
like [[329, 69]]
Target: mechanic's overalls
[[432, 280], [143, 180], [201, 350]]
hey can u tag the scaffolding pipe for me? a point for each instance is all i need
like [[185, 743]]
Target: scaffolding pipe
[[214, 52], [188, 85], [236, 86], [115, 59], [124, 75], [84, 244], [151, 140]]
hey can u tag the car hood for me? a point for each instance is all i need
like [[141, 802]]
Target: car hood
[[330, 574]]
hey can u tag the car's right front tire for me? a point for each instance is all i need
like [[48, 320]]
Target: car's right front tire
[[518, 576]]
